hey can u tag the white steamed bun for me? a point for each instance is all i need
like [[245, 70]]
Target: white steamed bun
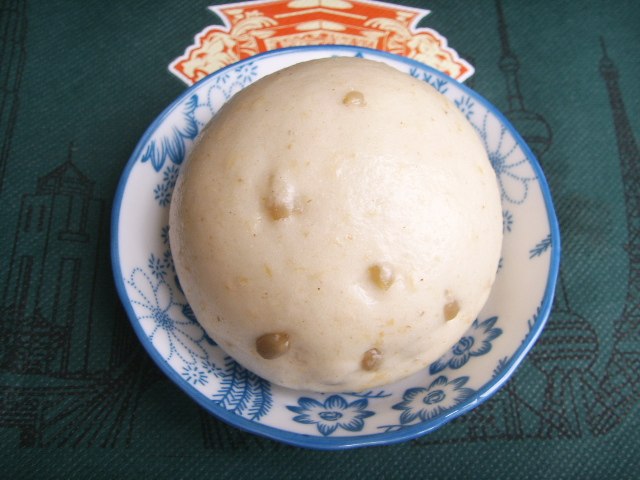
[[337, 225]]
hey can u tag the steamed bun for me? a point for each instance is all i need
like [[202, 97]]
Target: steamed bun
[[337, 226]]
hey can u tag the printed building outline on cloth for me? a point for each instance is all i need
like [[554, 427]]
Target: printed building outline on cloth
[[253, 27]]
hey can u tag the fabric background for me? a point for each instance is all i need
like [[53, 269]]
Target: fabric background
[[80, 81]]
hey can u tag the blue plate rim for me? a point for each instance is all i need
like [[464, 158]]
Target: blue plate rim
[[345, 442]]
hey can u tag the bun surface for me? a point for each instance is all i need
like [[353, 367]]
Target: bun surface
[[337, 226]]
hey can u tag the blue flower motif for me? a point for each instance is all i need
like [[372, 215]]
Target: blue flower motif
[[246, 73], [164, 234], [163, 320], [173, 145], [170, 175], [168, 260], [212, 368], [194, 375], [222, 78], [465, 105], [476, 342], [156, 266], [334, 413], [507, 221], [426, 403], [164, 190], [512, 169], [162, 193]]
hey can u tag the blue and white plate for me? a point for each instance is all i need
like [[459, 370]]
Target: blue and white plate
[[468, 374]]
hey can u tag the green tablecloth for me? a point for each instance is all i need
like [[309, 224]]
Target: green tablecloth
[[79, 84]]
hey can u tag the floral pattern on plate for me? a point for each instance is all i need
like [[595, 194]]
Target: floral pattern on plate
[[467, 374]]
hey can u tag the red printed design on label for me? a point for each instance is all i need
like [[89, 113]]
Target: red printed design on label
[[250, 28]]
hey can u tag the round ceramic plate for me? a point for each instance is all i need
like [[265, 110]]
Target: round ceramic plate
[[469, 373]]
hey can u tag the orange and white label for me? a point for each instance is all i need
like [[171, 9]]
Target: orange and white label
[[254, 27]]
